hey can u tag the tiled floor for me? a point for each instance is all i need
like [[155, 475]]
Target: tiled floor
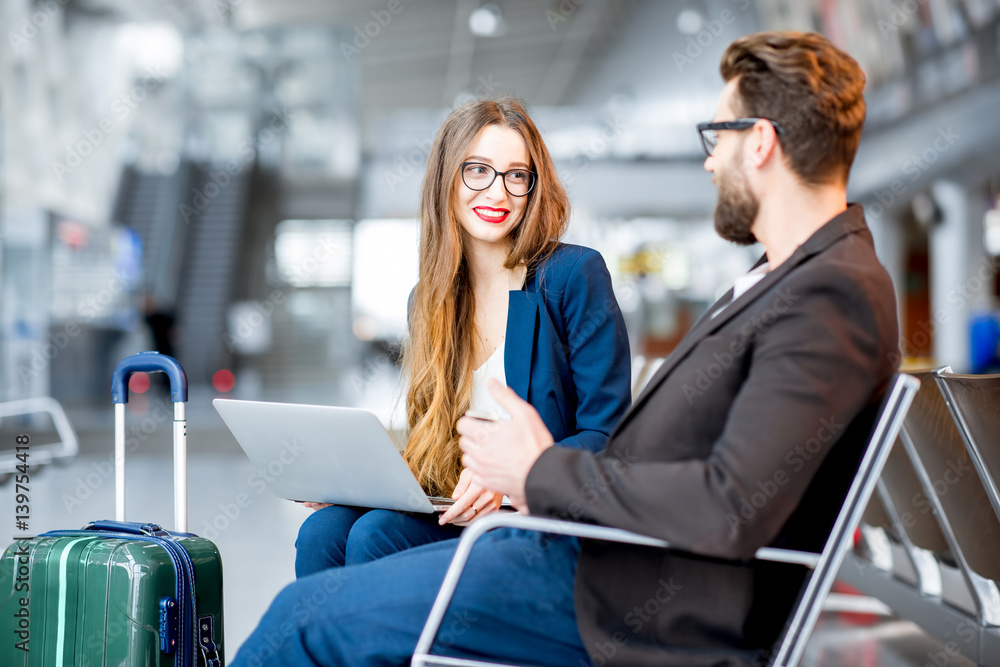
[[257, 540]]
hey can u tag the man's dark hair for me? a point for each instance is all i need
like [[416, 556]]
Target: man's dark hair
[[812, 89]]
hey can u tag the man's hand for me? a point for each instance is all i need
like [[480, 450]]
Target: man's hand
[[471, 501], [500, 455]]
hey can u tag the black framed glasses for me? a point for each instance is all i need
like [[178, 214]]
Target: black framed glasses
[[478, 176], [709, 131]]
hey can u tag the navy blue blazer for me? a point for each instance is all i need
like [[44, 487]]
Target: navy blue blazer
[[566, 350]]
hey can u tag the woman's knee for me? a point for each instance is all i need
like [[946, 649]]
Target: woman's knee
[[322, 539], [375, 535], [381, 533]]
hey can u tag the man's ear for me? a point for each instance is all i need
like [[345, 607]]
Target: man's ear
[[763, 143]]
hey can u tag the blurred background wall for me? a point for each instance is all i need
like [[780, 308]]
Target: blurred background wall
[[236, 181]]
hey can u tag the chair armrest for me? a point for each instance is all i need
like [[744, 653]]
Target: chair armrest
[[67, 446], [477, 529]]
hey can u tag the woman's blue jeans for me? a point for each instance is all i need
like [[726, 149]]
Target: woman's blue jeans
[[337, 535]]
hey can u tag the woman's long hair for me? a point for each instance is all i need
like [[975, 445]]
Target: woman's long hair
[[443, 336]]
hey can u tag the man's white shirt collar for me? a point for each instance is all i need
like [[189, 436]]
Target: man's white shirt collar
[[743, 284]]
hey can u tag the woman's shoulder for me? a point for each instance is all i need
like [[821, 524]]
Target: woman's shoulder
[[569, 269], [566, 256]]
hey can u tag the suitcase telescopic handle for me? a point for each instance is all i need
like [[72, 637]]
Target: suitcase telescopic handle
[[151, 362]]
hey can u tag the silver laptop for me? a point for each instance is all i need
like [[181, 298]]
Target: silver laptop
[[326, 454]]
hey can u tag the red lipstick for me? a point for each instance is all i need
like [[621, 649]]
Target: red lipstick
[[494, 215]]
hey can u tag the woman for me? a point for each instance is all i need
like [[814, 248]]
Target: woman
[[498, 297]]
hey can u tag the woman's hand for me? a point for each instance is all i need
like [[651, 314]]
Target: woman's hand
[[471, 501], [317, 506]]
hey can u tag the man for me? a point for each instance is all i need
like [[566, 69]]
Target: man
[[747, 436]]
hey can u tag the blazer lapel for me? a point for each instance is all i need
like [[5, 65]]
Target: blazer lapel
[[849, 222], [723, 301], [522, 315]]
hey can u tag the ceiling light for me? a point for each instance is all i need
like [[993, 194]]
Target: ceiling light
[[689, 21], [487, 21]]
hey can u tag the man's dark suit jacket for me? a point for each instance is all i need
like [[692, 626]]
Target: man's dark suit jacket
[[748, 435]]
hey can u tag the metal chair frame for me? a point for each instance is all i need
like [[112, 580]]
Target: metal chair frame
[[825, 565], [973, 631], [989, 482], [67, 447]]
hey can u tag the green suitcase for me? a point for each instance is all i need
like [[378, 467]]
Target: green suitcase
[[116, 594], [95, 601]]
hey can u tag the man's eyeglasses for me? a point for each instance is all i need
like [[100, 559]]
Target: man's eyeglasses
[[479, 176], [709, 131]]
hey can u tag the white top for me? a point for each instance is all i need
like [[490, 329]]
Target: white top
[[482, 399], [743, 283]]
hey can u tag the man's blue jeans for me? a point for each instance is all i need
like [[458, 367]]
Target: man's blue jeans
[[513, 604], [337, 535]]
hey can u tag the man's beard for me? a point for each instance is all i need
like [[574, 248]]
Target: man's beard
[[736, 209]]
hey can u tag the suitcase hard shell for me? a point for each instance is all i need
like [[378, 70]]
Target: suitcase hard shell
[[116, 593]]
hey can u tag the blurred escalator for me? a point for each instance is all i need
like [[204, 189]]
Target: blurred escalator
[[217, 210]]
